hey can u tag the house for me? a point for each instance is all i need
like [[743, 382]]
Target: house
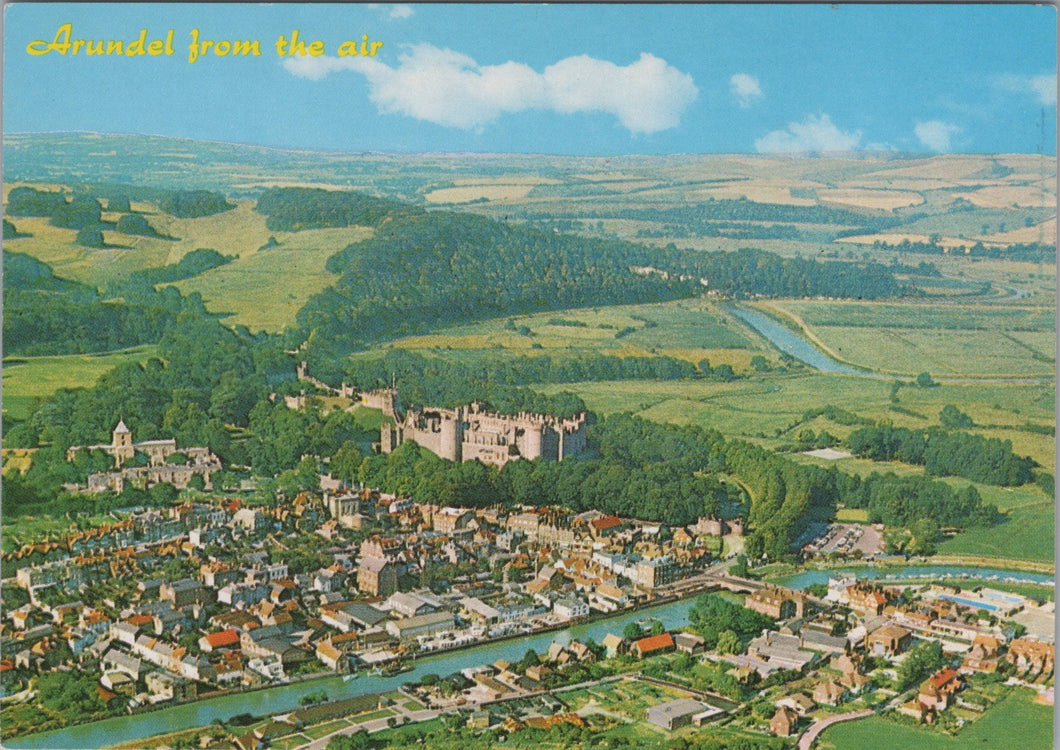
[[604, 526], [675, 714], [332, 657], [119, 661], [225, 639], [983, 656], [613, 645], [800, 703], [1024, 653], [568, 608], [690, 643], [937, 691], [184, 592], [776, 602], [377, 577], [784, 722], [889, 640], [653, 644], [828, 693], [866, 599], [854, 682]]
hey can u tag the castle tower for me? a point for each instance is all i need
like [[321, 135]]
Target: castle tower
[[121, 444], [452, 435]]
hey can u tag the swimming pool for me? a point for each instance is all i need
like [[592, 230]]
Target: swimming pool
[[974, 603]]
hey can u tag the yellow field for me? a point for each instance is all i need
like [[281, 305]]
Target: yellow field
[[1045, 231], [1007, 196], [17, 459], [468, 193], [952, 166], [236, 232], [756, 192], [886, 200]]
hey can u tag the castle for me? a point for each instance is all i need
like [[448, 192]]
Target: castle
[[469, 432]]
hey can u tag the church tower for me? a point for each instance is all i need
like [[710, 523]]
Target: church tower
[[121, 446]]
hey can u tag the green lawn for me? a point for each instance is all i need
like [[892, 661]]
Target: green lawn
[[27, 378], [1015, 722], [322, 730]]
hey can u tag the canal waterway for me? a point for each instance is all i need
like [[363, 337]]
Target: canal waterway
[[791, 343]]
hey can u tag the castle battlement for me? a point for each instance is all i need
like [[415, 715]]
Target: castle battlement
[[469, 433]]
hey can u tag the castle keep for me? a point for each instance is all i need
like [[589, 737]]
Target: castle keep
[[469, 432]]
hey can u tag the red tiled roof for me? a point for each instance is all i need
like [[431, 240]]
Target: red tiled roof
[[140, 619], [225, 638], [607, 522], [943, 676], [654, 643]]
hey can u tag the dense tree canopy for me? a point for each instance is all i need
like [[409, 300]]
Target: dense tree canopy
[[945, 453]]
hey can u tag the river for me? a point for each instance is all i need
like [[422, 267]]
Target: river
[[791, 343], [285, 697], [934, 572]]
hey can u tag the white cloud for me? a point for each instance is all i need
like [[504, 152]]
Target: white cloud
[[935, 134], [393, 11], [812, 134], [745, 88], [1042, 87], [452, 89]]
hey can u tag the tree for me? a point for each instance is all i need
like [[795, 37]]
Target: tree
[[728, 642], [632, 632], [924, 380], [921, 661], [952, 417], [91, 236]]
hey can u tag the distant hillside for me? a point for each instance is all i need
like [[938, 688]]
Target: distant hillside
[[424, 270], [44, 314], [421, 271]]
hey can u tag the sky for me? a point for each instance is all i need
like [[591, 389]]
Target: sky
[[565, 79]]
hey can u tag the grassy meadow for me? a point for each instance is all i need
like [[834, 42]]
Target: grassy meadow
[[264, 288], [29, 378], [947, 340], [692, 330]]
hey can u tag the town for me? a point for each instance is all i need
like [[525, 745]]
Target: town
[[216, 595]]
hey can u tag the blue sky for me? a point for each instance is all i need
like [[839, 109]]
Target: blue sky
[[585, 79]]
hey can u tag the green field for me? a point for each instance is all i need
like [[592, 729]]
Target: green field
[[770, 405], [28, 378], [1027, 533], [686, 329], [1015, 722], [950, 341]]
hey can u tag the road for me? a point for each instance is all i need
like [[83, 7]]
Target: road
[[807, 740]]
